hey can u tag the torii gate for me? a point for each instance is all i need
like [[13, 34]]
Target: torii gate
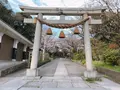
[[40, 11]]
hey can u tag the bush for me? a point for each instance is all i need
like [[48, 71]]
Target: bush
[[76, 56], [98, 49], [118, 62], [79, 55], [92, 80], [83, 62], [111, 56]]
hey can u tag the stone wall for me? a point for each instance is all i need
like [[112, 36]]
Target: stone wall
[[115, 76], [13, 68]]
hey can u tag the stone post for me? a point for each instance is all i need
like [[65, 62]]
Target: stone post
[[88, 54], [35, 53]]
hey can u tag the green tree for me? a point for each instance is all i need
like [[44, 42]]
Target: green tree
[[11, 19]]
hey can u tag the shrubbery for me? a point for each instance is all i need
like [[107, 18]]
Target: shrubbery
[[102, 51], [79, 56], [111, 56]]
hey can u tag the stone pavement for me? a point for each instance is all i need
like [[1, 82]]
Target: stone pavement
[[61, 79]]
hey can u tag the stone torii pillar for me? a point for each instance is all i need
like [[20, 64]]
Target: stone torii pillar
[[88, 53], [35, 54]]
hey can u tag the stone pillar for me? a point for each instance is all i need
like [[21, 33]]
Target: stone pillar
[[25, 53], [43, 56], [1, 35], [14, 51], [35, 53], [88, 54]]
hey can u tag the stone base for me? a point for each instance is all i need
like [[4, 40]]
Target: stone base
[[31, 77], [90, 74], [32, 72]]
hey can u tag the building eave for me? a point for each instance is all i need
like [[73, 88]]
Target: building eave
[[6, 29]]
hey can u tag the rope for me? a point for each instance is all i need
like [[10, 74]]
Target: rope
[[63, 25]]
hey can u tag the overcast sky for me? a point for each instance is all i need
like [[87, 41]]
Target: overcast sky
[[47, 3]]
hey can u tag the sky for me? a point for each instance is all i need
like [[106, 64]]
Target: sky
[[47, 3]]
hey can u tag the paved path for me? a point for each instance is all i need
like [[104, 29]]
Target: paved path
[[60, 74]]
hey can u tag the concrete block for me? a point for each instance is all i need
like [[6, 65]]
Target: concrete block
[[29, 78], [32, 72], [90, 74]]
